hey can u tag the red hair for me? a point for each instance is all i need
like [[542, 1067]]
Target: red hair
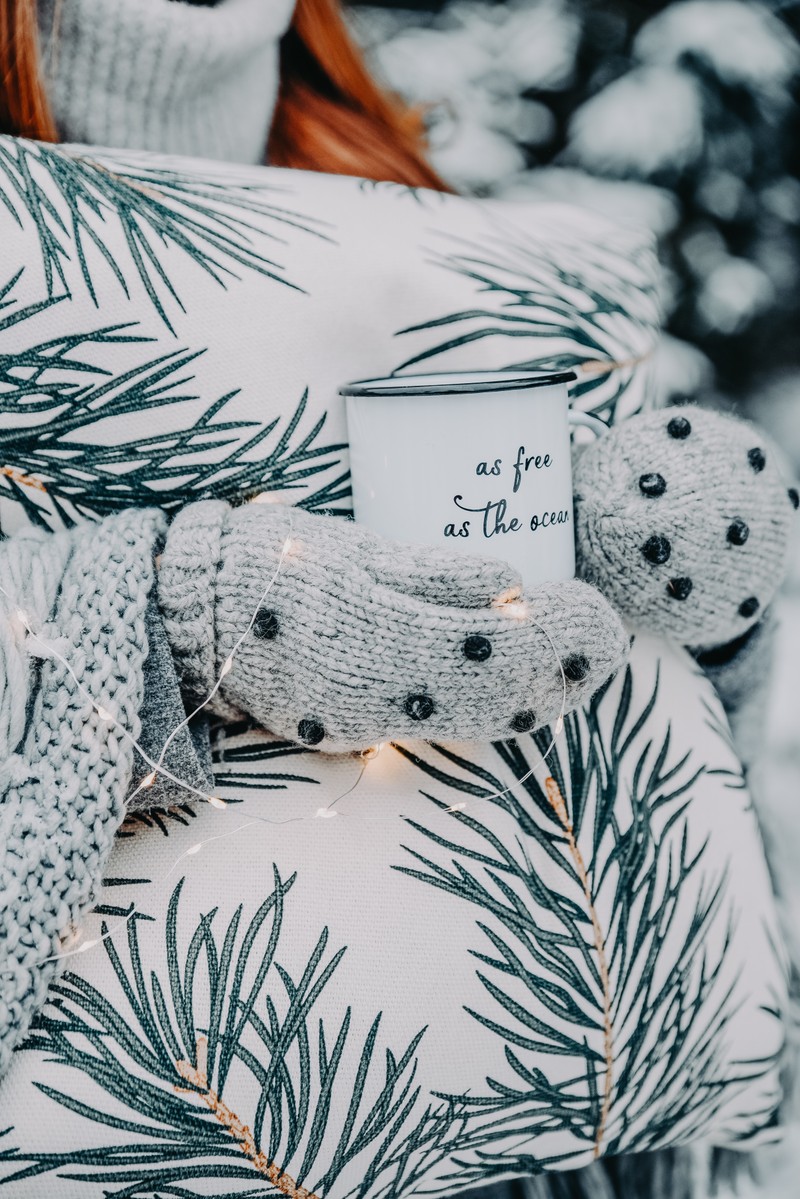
[[331, 115]]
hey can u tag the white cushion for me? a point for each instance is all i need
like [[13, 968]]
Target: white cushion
[[602, 976]]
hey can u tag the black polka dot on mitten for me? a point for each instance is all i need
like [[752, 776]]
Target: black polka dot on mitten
[[576, 668], [310, 731], [652, 484], [419, 707], [681, 588], [524, 721], [757, 459], [679, 428], [477, 648], [266, 624], [657, 549], [738, 531]]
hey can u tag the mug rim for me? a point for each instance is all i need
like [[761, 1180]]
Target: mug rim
[[454, 383]]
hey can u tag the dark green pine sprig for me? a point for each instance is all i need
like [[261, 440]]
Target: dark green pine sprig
[[644, 972], [55, 395], [221, 1004], [78, 203], [234, 755], [547, 294]]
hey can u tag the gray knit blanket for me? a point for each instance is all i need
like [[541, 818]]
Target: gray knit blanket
[[65, 767]]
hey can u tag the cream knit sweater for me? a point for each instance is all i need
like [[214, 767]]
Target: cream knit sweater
[[165, 75]]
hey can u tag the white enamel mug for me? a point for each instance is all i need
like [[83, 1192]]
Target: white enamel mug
[[478, 462]]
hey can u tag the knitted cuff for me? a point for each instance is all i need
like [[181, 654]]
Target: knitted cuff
[[186, 595], [188, 753]]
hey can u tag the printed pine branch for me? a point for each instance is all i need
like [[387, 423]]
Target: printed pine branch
[[194, 1047], [197, 1077], [630, 881], [547, 296], [556, 800], [76, 203], [47, 459]]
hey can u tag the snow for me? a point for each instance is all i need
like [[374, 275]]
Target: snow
[[649, 119], [429, 65], [722, 194], [474, 156], [734, 293], [472, 65], [679, 370], [743, 43], [629, 203], [538, 43]]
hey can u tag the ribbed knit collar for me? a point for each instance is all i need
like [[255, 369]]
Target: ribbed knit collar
[[164, 75]]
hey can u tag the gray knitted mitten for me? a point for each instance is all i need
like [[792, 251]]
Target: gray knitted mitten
[[360, 640], [683, 521]]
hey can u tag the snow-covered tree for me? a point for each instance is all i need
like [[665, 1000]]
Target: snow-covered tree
[[681, 115]]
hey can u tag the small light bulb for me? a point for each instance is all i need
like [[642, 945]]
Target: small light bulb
[[506, 597], [148, 782], [559, 726], [326, 813], [22, 615], [516, 609], [227, 667], [86, 945], [457, 807], [288, 545], [70, 938], [194, 849], [216, 802], [265, 497], [372, 751], [103, 713]]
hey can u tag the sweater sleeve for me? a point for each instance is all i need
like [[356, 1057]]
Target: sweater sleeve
[[189, 754], [740, 671]]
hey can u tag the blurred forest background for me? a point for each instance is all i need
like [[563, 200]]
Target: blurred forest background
[[679, 116], [682, 117]]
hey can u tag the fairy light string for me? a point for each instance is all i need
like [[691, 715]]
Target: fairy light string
[[72, 943]]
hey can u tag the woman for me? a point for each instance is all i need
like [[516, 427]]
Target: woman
[[255, 81]]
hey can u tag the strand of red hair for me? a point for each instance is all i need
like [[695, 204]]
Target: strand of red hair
[[331, 113]]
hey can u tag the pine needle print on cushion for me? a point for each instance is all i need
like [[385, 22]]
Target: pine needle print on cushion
[[438, 988]]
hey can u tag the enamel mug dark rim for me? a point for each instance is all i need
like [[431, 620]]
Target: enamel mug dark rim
[[454, 383]]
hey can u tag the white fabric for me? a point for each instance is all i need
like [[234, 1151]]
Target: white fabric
[[163, 75], [412, 952]]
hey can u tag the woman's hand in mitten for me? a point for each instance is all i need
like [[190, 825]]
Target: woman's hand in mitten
[[359, 640], [682, 521]]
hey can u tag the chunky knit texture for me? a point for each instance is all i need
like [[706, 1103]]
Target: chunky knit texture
[[164, 76], [64, 770], [683, 522], [361, 641]]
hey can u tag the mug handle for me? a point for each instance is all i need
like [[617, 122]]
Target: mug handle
[[597, 426]]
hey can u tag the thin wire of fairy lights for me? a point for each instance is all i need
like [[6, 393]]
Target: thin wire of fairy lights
[[72, 942]]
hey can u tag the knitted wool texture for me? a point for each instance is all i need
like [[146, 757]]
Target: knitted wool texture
[[360, 641], [683, 522], [158, 75], [64, 770]]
